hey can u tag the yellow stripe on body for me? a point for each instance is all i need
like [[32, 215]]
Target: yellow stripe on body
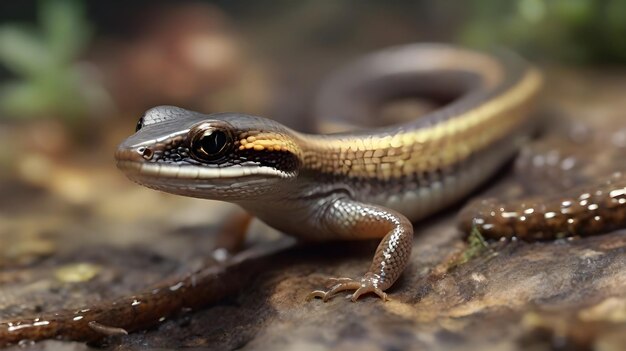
[[426, 149]]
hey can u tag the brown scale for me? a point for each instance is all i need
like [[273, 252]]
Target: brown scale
[[587, 210]]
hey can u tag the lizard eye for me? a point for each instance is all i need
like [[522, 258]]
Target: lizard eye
[[210, 143]]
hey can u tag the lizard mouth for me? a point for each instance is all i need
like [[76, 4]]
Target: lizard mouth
[[171, 171], [133, 162], [200, 182]]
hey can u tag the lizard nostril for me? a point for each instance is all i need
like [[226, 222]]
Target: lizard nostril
[[145, 152]]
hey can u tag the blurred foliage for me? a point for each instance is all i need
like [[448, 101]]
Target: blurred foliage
[[43, 58], [581, 31], [49, 81]]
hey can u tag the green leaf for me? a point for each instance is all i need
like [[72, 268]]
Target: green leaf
[[22, 52], [65, 28], [21, 99]]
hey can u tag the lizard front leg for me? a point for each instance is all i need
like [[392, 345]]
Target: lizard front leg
[[348, 219]]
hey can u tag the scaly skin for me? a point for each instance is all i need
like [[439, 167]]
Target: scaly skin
[[355, 185]]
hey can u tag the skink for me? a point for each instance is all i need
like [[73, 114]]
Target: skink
[[367, 184]]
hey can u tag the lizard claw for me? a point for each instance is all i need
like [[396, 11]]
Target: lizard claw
[[368, 284], [326, 295], [368, 289]]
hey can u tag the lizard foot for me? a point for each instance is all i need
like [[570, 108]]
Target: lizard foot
[[368, 284]]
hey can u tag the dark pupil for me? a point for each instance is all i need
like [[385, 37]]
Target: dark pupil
[[213, 143], [139, 124]]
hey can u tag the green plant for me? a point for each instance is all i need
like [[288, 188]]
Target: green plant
[[586, 31], [50, 82]]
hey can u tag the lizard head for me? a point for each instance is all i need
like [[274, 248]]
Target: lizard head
[[226, 156]]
